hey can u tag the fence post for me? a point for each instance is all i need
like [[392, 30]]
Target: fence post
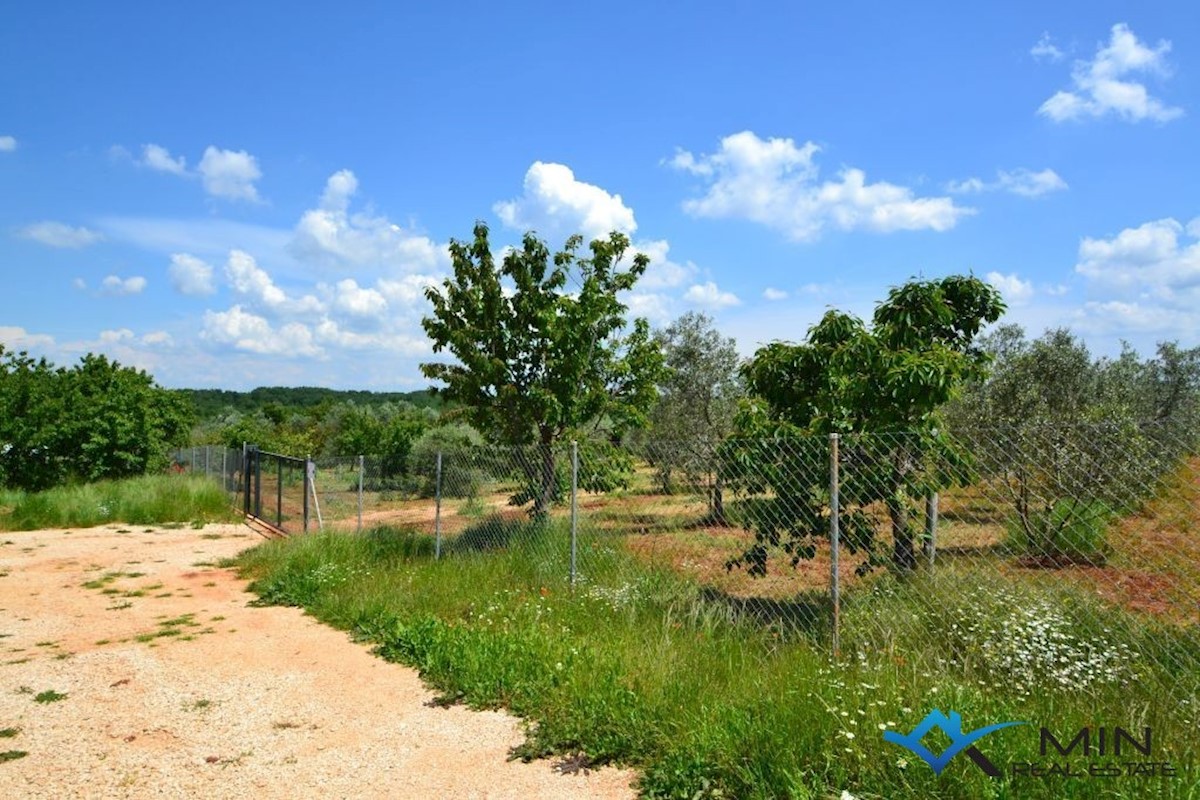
[[207, 471], [258, 482], [224, 468], [437, 510], [931, 523], [279, 494], [360, 491], [834, 543], [307, 461], [574, 508]]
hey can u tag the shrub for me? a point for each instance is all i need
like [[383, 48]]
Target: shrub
[[1071, 532]]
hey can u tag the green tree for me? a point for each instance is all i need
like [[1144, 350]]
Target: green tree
[[887, 381], [698, 397], [95, 420], [537, 360], [1074, 440]]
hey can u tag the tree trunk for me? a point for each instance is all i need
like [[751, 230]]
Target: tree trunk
[[546, 481], [904, 555], [717, 502]]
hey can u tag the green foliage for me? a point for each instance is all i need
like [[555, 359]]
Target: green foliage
[[1069, 532], [536, 359], [96, 420], [890, 378], [144, 500], [642, 668], [463, 470], [698, 397], [1065, 433], [213, 404]]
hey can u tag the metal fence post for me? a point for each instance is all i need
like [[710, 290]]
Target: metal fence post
[[574, 508], [931, 523], [437, 510], [360, 493], [834, 543], [307, 461], [279, 493]]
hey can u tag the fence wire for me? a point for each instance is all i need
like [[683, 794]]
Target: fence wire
[[1035, 551]]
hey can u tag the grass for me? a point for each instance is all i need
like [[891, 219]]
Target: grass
[[144, 500], [714, 695]]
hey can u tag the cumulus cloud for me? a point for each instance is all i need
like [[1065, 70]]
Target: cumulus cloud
[[7, 144], [58, 234], [191, 276], [771, 293], [249, 332], [254, 284], [1103, 86], [158, 339], [1014, 290], [332, 236], [707, 294], [120, 287], [229, 173], [1143, 280], [1023, 182], [555, 204], [1046, 50], [356, 301], [1150, 259], [114, 336], [160, 159], [775, 183], [14, 338]]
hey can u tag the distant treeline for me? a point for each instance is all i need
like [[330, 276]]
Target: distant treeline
[[213, 403]]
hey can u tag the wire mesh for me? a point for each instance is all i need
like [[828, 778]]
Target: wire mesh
[[1032, 550]]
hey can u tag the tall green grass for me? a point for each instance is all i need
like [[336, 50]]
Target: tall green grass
[[713, 696], [145, 500]]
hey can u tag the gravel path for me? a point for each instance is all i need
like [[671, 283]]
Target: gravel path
[[174, 687]]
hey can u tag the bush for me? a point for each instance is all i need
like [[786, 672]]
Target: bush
[[1072, 532], [462, 474]]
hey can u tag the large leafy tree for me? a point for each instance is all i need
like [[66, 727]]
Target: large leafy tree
[[887, 381], [541, 345], [698, 397], [95, 420]]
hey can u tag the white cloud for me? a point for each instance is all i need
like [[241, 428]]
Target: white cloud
[[7, 144], [254, 284], [1024, 182], [771, 293], [191, 276], [1014, 290], [1045, 49], [229, 173], [1101, 87], [707, 294], [58, 234], [115, 336], [775, 183], [14, 338], [120, 287], [158, 339], [355, 301], [663, 273], [331, 236], [1124, 319], [1149, 260], [79, 283], [159, 158], [244, 330], [556, 205], [654, 306]]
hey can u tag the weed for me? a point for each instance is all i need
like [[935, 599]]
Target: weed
[[198, 705], [8, 733], [12, 755], [49, 696]]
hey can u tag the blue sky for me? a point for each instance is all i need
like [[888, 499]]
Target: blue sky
[[255, 194]]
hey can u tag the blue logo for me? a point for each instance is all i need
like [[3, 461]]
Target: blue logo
[[959, 741]]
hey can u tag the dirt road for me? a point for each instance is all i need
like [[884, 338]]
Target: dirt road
[[131, 666]]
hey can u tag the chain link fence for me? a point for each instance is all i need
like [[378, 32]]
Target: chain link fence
[[1066, 552]]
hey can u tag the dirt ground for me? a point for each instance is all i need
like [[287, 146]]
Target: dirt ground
[[131, 666]]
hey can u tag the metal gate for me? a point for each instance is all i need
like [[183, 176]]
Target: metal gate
[[276, 489]]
